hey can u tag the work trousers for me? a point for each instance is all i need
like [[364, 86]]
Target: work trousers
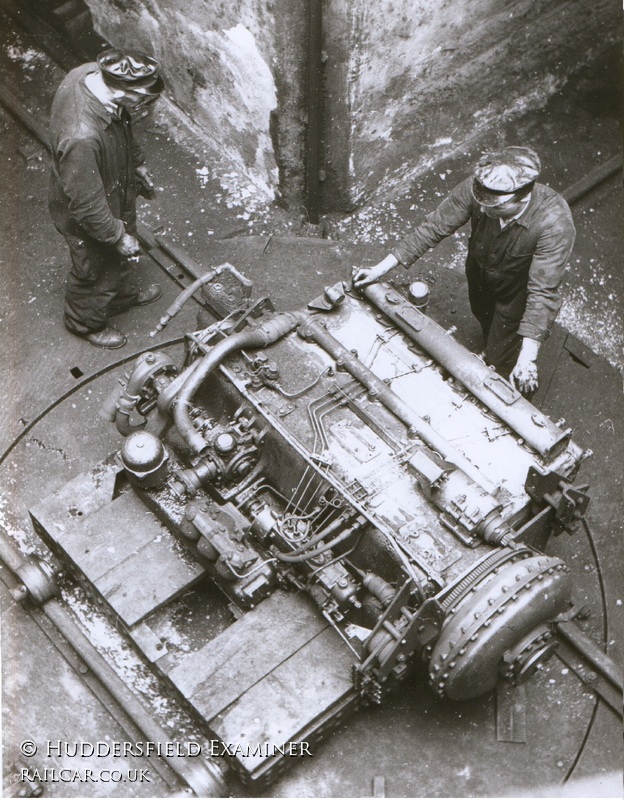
[[100, 284], [499, 314]]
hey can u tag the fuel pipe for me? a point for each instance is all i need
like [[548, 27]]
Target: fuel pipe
[[466, 479], [319, 536], [392, 401], [489, 524], [494, 391], [306, 554]]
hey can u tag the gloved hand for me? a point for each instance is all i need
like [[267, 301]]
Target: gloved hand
[[362, 276], [145, 181], [524, 375], [127, 246]]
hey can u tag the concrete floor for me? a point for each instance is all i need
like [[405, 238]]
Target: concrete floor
[[51, 431]]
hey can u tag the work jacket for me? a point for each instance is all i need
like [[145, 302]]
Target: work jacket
[[94, 156], [520, 265]]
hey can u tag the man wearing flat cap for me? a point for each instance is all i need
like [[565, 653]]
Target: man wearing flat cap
[[97, 169], [521, 239]]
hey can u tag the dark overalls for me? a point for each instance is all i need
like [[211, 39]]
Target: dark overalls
[[513, 272], [92, 201], [498, 276]]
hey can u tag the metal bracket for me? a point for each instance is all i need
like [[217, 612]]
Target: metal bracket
[[502, 389], [569, 502], [255, 310]]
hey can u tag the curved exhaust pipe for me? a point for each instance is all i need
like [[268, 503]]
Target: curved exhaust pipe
[[264, 334]]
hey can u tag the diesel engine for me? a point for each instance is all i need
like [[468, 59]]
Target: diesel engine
[[354, 451]]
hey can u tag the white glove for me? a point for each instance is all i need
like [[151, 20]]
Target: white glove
[[524, 375], [128, 246], [362, 276]]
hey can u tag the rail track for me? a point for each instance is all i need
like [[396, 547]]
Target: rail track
[[595, 671]]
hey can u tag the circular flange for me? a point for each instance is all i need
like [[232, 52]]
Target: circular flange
[[533, 652], [500, 612]]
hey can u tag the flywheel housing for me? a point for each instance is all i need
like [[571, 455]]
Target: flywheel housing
[[499, 627]]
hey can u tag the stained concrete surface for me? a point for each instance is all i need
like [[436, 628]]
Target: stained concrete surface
[[420, 746]]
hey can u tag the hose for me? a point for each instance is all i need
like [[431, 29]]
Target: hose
[[182, 298]]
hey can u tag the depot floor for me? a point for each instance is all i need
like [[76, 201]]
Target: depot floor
[[54, 384]]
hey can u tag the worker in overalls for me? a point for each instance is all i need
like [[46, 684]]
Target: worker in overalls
[[521, 238], [97, 169]]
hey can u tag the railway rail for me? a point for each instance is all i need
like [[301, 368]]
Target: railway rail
[[595, 670]]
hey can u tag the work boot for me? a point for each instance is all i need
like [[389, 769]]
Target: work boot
[[149, 295], [109, 338], [144, 298]]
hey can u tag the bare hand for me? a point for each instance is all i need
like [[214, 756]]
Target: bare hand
[[127, 246]]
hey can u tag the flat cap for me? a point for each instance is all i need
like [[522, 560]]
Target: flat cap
[[131, 70], [500, 175]]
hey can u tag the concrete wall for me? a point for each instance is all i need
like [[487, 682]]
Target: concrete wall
[[411, 80], [405, 81], [219, 61]]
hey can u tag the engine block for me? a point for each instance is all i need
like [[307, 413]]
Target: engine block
[[355, 451], [366, 497]]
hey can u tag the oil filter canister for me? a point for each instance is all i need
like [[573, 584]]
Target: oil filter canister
[[144, 458]]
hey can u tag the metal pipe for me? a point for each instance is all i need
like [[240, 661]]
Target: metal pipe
[[590, 651], [314, 106], [393, 402], [260, 336], [579, 189], [202, 777], [499, 396], [146, 366], [21, 113], [9, 554]]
